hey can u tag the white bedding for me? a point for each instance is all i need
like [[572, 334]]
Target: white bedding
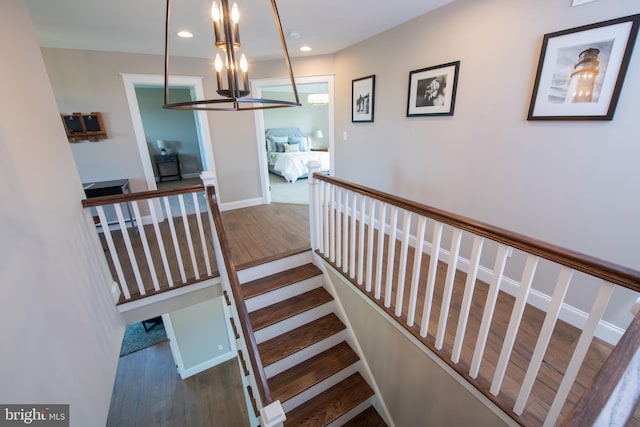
[[294, 165]]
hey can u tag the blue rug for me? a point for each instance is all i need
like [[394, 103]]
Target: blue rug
[[136, 338]]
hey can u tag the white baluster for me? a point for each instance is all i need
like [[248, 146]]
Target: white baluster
[[417, 267], [361, 240], [597, 310], [145, 245], [332, 223], [448, 286], [112, 251], [381, 221], [339, 227], [352, 239], [313, 166], [393, 225], [163, 253], [187, 232], [174, 237], [345, 231], [325, 206], [127, 244], [489, 308], [514, 323], [543, 339], [431, 278], [203, 240], [402, 272], [372, 229], [465, 308]]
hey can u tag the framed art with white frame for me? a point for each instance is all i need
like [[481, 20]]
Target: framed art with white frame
[[581, 70]]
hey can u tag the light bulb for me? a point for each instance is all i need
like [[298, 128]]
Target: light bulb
[[235, 14], [244, 66], [218, 62], [215, 12]]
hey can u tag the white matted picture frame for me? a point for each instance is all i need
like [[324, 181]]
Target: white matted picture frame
[[432, 90], [581, 71], [363, 99]]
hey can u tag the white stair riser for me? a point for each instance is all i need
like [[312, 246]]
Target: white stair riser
[[273, 267], [312, 392], [283, 293], [304, 354], [293, 322]]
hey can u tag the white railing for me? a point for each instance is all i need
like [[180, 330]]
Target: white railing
[[156, 240], [392, 249]]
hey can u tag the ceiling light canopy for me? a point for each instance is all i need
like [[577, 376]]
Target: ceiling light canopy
[[184, 34], [231, 66]]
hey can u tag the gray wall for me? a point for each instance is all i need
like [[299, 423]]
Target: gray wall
[[61, 332], [91, 81], [176, 127], [416, 390], [571, 183]]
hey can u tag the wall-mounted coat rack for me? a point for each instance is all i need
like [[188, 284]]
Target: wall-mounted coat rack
[[84, 127]]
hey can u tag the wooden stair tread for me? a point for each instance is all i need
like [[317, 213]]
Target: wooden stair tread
[[367, 418], [279, 280], [295, 340], [282, 310], [299, 378], [330, 404]]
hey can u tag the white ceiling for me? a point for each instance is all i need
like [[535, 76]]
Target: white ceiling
[[137, 26]]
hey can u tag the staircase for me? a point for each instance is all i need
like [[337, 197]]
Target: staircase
[[310, 366]]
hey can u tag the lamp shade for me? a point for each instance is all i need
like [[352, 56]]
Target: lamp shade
[[162, 144], [318, 134]]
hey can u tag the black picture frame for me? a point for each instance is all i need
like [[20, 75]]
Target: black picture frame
[[432, 90], [363, 91], [581, 71]]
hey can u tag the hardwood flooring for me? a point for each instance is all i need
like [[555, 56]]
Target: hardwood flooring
[[149, 392]]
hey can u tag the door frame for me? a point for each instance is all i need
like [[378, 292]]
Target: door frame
[[194, 84], [256, 87]]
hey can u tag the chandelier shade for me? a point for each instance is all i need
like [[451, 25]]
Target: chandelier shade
[[227, 56]]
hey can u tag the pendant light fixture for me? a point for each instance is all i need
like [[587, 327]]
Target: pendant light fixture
[[229, 64]]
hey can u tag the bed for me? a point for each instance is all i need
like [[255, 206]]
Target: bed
[[288, 153]]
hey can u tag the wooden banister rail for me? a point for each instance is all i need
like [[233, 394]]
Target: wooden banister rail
[[596, 397], [247, 330], [610, 272], [142, 195]]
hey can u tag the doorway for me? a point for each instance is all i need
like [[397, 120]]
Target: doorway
[[140, 86], [314, 119]]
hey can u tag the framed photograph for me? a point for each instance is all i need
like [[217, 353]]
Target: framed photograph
[[362, 99], [432, 91], [581, 70]]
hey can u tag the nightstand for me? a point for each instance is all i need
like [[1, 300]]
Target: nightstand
[[168, 166]]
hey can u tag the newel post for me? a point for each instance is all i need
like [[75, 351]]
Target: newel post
[[273, 415], [313, 166], [208, 179]]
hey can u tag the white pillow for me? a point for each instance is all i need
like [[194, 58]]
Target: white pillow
[[280, 138], [291, 148]]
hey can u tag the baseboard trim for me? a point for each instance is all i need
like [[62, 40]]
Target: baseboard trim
[[247, 203]]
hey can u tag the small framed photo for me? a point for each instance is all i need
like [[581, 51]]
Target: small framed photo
[[581, 70], [362, 99], [432, 91]]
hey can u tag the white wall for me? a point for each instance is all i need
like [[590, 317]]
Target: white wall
[[570, 183], [60, 330]]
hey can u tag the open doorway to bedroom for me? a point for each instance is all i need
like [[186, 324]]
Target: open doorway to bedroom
[[289, 137]]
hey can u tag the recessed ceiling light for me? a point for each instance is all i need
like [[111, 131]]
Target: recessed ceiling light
[[305, 48], [185, 34]]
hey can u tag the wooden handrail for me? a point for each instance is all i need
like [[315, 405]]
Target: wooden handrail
[[611, 272], [243, 314], [594, 399], [141, 195]]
